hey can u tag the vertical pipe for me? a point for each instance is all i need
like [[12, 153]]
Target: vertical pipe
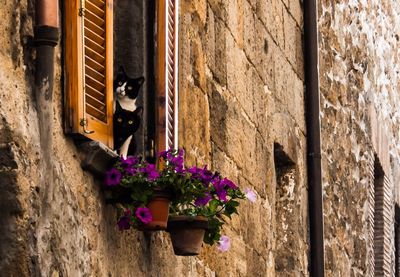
[[46, 37], [313, 138]]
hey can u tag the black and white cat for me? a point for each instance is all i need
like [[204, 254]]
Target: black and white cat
[[127, 115], [126, 123], [127, 89]]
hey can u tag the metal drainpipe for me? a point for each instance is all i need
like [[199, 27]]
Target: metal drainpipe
[[313, 139], [46, 38]]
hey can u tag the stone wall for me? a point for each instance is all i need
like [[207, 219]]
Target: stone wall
[[242, 93], [242, 112], [359, 69]]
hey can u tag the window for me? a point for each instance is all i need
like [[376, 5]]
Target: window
[[89, 67], [383, 222]]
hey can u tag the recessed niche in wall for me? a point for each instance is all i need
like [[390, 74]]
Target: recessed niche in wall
[[287, 213]]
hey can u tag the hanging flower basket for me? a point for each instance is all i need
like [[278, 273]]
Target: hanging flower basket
[[199, 200], [187, 234]]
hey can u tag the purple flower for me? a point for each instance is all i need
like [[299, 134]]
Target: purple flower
[[250, 194], [144, 215], [222, 195], [206, 176], [129, 161], [228, 183], [131, 171], [224, 243], [163, 154], [203, 174], [202, 201], [113, 177], [150, 171], [194, 170], [124, 221], [219, 187]]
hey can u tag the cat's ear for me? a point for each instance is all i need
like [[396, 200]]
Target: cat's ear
[[138, 111], [121, 70]]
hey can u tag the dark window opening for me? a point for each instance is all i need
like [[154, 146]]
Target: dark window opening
[[134, 48], [379, 232]]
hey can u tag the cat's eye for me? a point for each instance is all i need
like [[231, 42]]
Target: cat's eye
[[129, 87], [120, 83], [119, 119], [130, 122]]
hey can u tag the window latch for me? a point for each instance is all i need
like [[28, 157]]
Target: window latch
[[84, 124], [81, 11]]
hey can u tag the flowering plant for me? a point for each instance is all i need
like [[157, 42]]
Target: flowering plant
[[196, 191]]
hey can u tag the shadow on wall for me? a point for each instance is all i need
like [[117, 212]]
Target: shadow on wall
[[10, 208], [218, 117]]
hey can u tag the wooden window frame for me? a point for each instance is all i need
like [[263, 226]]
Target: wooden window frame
[[167, 90], [78, 121]]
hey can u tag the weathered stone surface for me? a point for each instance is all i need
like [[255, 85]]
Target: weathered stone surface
[[358, 52], [241, 91]]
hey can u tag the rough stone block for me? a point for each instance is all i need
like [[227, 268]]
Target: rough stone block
[[235, 20], [290, 38], [195, 125]]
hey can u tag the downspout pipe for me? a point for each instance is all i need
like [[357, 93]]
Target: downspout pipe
[[314, 168], [45, 38]]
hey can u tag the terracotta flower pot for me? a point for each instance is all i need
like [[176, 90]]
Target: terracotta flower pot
[[159, 208], [187, 234]]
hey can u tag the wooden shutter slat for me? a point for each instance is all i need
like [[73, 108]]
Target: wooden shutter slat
[[95, 93], [94, 18], [98, 3], [94, 37], [94, 55], [95, 74], [95, 9], [93, 111], [94, 83], [95, 102], [93, 45], [94, 65], [98, 30]]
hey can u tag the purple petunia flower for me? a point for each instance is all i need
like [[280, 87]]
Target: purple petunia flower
[[228, 183], [113, 177], [144, 215], [220, 189], [131, 171], [224, 244], [151, 172], [206, 175], [129, 161], [202, 201], [124, 221], [163, 154], [194, 170]]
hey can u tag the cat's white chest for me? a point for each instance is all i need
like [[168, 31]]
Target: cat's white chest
[[127, 103]]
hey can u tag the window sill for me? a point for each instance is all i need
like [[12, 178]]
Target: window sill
[[96, 158]]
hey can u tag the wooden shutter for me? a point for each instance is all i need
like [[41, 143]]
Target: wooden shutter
[[167, 74], [89, 69]]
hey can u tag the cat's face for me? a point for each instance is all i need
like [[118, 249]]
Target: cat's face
[[127, 122], [125, 86]]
